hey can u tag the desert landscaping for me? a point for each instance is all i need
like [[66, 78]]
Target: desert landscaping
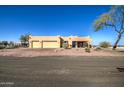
[[26, 52]]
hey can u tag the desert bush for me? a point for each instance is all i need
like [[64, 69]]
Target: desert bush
[[98, 48], [87, 50], [8, 45], [2, 46], [65, 45], [5, 43], [16, 46], [12, 46], [104, 44]]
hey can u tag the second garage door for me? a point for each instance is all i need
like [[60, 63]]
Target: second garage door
[[50, 44]]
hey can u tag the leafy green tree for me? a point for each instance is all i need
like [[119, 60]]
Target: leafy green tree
[[114, 18], [24, 40], [104, 44]]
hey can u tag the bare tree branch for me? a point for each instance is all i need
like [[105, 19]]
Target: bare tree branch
[[122, 31], [112, 25]]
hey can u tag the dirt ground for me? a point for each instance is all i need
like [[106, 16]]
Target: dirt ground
[[25, 52], [61, 68], [61, 71]]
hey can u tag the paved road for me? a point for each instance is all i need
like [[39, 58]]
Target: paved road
[[61, 71]]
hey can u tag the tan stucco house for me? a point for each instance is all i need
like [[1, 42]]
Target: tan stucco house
[[57, 41]]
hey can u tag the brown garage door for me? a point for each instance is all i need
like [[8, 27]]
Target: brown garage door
[[50, 44]]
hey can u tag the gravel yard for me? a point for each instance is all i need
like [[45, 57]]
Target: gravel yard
[[25, 52]]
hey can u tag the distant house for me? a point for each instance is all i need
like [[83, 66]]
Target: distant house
[[58, 41]]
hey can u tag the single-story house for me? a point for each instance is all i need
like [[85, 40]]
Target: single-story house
[[58, 41]]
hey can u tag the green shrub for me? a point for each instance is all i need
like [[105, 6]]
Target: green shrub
[[104, 44], [87, 50]]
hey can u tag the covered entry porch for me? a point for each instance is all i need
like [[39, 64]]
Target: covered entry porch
[[79, 44]]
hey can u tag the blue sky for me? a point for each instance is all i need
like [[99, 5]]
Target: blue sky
[[52, 21]]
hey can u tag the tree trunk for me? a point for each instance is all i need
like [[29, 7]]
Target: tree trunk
[[118, 39]]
